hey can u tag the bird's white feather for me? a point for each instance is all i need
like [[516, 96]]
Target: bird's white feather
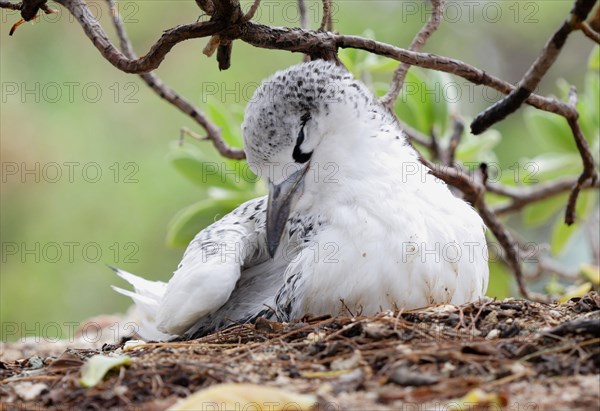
[[370, 228]]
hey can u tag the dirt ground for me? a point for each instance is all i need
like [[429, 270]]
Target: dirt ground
[[510, 354]]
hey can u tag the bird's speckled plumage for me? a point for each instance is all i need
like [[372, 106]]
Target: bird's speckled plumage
[[354, 220]]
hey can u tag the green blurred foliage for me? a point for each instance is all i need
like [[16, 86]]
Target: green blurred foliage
[[132, 135]]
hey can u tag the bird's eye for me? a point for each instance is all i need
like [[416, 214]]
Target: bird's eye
[[298, 155]]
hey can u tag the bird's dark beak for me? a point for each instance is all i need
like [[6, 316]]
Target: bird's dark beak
[[278, 207]]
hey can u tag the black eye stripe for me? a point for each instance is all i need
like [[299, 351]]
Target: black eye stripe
[[298, 155]]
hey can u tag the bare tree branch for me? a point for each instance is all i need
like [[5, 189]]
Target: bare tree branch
[[167, 93], [474, 190], [303, 22], [520, 197], [252, 11], [206, 6], [590, 33], [158, 51], [303, 15], [452, 66], [316, 44], [28, 9], [536, 72], [4, 4], [589, 170], [508, 244], [594, 21], [546, 266], [417, 44], [326, 22], [228, 9], [416, 136], [229, 23], [457, 132]]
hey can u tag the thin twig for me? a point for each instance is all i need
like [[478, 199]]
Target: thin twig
[[252, 11], [167, 93], [536, 72], [303, 14], [452, 66], [318, 44], [457, 132], [507, 242], [589, 169], [326, 23], [184, 131], [474, 191], [27, 8], [152, 59], [10, 6], [520, 197], [594, 21], [417, 44], [228, 23], [546, 266], [590, 33], [303, 22], [435, 146], [206, 6]]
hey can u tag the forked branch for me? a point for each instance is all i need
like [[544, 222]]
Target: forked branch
[[228, 23]]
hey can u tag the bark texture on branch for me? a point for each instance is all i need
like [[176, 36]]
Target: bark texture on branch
[[228, 23], [536, 72]]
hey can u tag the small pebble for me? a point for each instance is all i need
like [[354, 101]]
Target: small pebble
[[493, 334]]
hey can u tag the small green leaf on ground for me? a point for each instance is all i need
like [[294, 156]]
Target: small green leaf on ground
[[478, 399], [96, 367], [578, 291], [246, 396], [590, 273]]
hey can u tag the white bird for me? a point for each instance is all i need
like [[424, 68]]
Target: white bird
[[353, 223]]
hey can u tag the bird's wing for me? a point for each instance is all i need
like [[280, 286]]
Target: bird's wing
[[211, 267]]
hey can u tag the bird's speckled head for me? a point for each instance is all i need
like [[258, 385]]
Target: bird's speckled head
[[289, 117], [292, 111]]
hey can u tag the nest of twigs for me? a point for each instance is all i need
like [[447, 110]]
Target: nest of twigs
[[529, 355]]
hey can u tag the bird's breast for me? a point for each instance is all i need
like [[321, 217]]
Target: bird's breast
[[391, 252]]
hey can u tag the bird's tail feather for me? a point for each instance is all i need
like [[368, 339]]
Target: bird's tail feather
[[147, 296]]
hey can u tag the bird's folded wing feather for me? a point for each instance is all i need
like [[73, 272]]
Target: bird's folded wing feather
[[211, 267]]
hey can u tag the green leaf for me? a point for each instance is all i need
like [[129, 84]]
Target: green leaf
[[561, 233], [216, 173], [542, 168], [230, 129], [348, 59], [478, 148], [229, 396], [96, 367], [383, 65], [412, 105], [550, 131], [590, 273], [576, 291], [202, 164], [188, 222], [564, 88], [445, 93], [589, 109]]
